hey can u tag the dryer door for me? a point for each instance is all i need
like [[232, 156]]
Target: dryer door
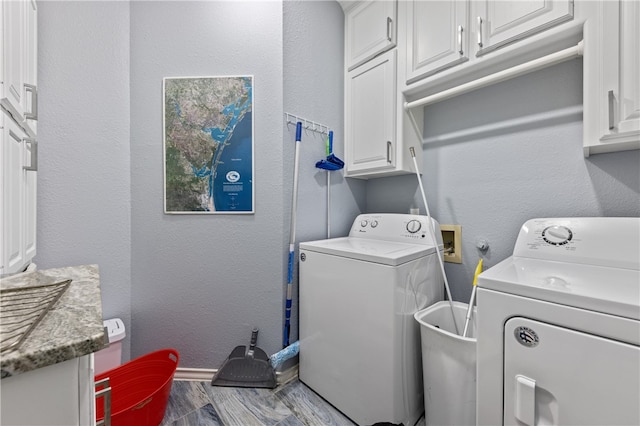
[[559, 376]]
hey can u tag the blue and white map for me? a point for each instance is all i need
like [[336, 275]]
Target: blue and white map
[[208, 144]]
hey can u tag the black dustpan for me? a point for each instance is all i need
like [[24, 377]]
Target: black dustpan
[[246, 368]]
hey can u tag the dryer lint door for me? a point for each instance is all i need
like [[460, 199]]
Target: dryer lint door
[[559, 376]]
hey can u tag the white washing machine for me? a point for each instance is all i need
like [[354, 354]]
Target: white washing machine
[[359, 344], [559, 326]]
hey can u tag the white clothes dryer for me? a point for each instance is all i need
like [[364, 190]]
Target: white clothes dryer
[[359, 344], [559, 326]]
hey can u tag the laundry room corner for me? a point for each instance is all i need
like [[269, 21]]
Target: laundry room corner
[[490, 169]]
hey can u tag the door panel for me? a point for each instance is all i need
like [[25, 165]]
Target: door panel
[[559, 376]]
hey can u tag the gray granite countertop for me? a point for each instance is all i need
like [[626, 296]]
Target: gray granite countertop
[[71, 329]]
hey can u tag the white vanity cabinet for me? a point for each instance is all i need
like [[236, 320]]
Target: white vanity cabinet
[[18, 144], [59, 394], [612, 79], [370, 29], [437, 36], [498, 23]]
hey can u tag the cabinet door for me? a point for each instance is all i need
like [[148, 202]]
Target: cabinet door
[[437, 36], [12, 196], [13, 39], [611, 89], [622, 67], [370, 115], [502, 22], [566, 377], [57, 394], [370, 29], [18, 197], [31, 66]]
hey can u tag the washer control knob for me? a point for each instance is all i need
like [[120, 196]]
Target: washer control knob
[[364, 223], [414, 226], [374, 223], [557, 235]]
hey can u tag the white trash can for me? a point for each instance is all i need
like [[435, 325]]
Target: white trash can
[[448, 365], [111, 356]]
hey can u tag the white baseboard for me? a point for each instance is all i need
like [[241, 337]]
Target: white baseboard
[[206, 374], [194, 374]]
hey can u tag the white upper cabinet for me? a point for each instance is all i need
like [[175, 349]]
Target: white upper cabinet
[[370, 30], [502, 22], [370, 108], [19, 65], [612, 82], [437, 36], [13, 42], [441, 35], [378, 132], [31, 67]]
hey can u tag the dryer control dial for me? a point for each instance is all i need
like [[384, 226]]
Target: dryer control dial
[[414, 226], [557, 235]]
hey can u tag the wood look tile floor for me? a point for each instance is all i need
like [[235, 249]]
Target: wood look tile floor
[[290, 404]]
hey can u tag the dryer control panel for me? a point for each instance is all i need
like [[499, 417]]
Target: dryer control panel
[[603, 241], [408, 228]]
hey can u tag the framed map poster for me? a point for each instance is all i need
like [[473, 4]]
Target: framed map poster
[[208, 145]]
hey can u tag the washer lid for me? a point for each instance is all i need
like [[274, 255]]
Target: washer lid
[[614, 291], [369, 250]]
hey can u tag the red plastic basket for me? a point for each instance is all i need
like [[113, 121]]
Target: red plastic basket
[[140, 389]]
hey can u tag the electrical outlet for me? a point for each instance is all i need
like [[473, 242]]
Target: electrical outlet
[[452, 239]]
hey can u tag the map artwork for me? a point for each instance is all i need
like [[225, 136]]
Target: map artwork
[[208, 145]]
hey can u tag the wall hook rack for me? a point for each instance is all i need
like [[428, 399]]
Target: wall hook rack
[[309, 125]]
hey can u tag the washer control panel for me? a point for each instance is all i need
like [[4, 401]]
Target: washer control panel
[[396, 227], [604, 241]]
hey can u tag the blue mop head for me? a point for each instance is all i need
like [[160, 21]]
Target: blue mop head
[[287, 353], [328, 165], [332, 162]]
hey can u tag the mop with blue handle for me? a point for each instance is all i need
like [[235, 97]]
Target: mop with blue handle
[[292, 239]]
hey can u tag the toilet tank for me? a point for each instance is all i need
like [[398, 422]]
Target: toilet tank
[[111, 356]]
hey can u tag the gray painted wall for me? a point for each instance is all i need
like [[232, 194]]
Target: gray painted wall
[[196, 283], [313, 89], [201, 283], [493, 159], [501, 155], [83, 132]]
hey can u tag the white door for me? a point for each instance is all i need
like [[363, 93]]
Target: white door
[[13, 40], [370, 115], [437, 36], [559, 376], [19, 154], [370, 29], [13, 192], [501, 22], [31, 66], [621, 68], [58, 394]]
